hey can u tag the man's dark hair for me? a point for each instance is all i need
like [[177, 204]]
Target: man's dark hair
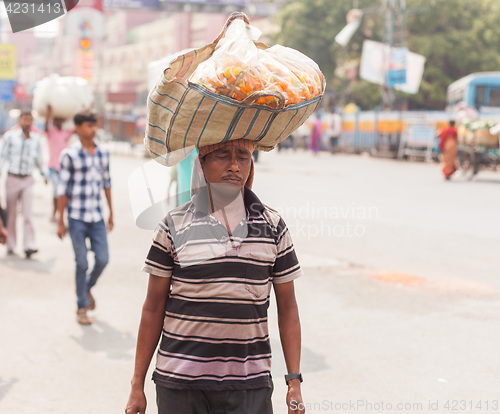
[[452, 123], [84, 116], [25, 112]]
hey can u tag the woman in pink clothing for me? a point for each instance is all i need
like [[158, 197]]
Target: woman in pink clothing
[[58, 139], [315, 138]]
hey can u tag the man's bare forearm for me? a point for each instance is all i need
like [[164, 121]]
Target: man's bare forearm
[[150, 327], [107, 193], [62, 202], [289, 326]]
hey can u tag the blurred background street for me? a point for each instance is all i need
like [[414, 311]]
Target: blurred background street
[[399, 300]]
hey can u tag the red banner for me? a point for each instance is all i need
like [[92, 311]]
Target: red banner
[[85, 64]]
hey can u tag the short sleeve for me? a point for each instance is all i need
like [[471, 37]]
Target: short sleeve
[[64, 175], [286, 266], [106, 178], [159, 260]]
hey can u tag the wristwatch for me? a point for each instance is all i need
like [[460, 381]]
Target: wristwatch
[[290, 377]]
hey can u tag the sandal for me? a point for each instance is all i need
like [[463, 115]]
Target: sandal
[[91, 301], [82, 318]]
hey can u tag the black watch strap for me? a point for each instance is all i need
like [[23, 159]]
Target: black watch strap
[[289, 377]]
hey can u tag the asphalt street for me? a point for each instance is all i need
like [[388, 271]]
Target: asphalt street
[[399, 301]]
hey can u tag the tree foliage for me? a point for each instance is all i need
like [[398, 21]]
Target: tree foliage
[[457, 37]]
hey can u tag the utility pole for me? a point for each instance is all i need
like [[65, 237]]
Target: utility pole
[[395, 18], [394, 36]]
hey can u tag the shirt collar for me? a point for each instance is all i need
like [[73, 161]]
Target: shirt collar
[[21, 133], [253, 204], [79, 146]]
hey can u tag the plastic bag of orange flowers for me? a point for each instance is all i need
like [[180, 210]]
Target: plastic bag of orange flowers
[[250, 72]]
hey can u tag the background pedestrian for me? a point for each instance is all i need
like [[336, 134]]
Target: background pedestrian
[[334, 130], [23, 152], [58, 139], [316, 134], [448, 146], [84, 174]]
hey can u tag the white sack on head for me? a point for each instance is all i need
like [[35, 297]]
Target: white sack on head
[[66, 94]]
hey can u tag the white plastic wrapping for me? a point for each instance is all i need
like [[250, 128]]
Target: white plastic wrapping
[[239, 68]]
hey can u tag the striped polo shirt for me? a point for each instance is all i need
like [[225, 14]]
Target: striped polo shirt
[[215, 332]]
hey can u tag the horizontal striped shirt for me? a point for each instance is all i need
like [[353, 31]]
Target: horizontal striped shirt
[[82, 179], [23, 154], [215, 333]]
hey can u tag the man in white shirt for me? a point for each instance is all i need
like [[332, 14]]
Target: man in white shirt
[[22, 150], [334, 130]]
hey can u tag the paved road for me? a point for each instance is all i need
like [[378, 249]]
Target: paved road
[[399, 302]]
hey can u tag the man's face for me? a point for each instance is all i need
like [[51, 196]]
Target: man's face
[[230, 165], [25, 122], [58, 122], [87, 130]]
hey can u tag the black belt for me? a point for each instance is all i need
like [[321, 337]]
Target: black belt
[[20, 175]]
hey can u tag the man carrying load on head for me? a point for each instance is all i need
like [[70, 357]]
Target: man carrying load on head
[[211, 267], [58, 138]]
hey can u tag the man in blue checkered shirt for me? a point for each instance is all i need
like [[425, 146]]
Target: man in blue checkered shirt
[[84, 174]]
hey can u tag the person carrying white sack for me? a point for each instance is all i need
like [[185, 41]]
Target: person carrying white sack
[[58, 138]]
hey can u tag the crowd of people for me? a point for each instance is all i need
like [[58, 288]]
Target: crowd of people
[[194, 373], [79, 173], [214, 259], [321, 132]]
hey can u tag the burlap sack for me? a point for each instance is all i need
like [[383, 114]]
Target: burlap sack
[[183, 115]]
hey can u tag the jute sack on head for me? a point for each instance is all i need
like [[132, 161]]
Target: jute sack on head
[[183, 115]]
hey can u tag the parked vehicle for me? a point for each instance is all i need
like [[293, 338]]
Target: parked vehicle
[[480, 91], [478, 149]]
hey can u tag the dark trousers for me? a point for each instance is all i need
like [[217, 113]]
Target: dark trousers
[[257, 401], [334, 143]]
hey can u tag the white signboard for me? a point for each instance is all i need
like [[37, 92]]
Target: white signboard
[[375, 60]]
